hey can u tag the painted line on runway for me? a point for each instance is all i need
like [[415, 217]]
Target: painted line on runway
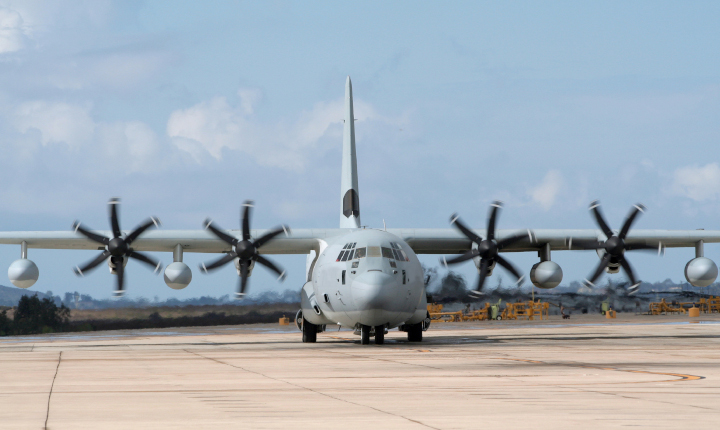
[[682, 377]]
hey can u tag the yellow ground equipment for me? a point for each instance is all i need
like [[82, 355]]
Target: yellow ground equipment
[[526, 310], [662, 307], [512, 311], [284, 320]]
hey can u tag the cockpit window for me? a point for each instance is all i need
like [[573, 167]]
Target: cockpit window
[[374, 251], [360, 253], [398, 251], [387, 253], [347, 252]]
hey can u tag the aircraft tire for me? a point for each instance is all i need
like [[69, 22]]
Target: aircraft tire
[[309, 332], [365, 335], [415, 332], [379, 335]]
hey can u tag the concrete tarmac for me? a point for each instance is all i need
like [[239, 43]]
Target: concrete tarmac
[[588, 372]]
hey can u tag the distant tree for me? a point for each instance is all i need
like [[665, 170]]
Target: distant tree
[[39, 316], [6, 325]]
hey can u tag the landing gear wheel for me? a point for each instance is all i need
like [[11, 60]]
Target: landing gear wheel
[[415, 332], [498, 318], [309, 331], [379, 335], [365, 335]]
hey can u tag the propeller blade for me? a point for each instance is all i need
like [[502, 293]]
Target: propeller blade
[[218, 263], [271, 235], [595, 208], [513, 239], [492, 218], [120, 289], [151, 222], [147, 260], [509, 267], [270, 265], [114, 221], [455, 220], [244, 272], [80, 271], [219, 233], [89, 234], [598, 271], [484, 264], [459, 259], [634, 212], [629, 272], [247, 206]]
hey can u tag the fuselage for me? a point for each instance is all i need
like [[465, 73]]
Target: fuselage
[[366, 277]]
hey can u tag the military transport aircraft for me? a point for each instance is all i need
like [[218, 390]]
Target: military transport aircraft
[[359, 277]]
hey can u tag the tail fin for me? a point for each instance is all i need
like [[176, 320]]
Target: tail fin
[[350, 203]]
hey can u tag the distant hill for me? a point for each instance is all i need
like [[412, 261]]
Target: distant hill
[[10, 296]]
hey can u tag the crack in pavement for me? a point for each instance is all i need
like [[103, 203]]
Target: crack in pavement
[[47, 413]]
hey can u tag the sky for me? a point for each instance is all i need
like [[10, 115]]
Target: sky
[[185, 109]]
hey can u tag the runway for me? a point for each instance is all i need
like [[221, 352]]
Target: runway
[[661, 372]]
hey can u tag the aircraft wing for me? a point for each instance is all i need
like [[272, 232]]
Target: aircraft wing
[[302, 241], [298, 242], [451, 241]]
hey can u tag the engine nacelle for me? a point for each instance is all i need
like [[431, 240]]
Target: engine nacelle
[[178, 275], [701, 272], [612, 267], [23, 273], [546, 274]]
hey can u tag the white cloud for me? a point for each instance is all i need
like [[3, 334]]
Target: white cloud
[[212, 126], [13, 31], [131, 146], [56, 121], [696, 182], [546, 192]]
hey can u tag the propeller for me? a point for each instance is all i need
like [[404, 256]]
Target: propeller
[[614, 246], [487, 249], [245, 249], [117, 248]]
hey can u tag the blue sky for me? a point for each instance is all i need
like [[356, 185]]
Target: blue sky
[[185, 109]]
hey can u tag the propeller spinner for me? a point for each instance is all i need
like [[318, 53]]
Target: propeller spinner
[[245, 249], [117, 248], [488, 249]]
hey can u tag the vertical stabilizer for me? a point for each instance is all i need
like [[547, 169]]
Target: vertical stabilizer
[[350, 201]]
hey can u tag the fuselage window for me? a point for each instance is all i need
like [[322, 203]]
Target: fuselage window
[[360, 252], [374, 251]]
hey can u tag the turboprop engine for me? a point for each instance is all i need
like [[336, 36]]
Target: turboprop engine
[[546, 274], [23, 273], [699, 272]]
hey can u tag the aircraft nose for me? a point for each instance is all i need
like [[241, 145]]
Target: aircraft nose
[[373, 290]]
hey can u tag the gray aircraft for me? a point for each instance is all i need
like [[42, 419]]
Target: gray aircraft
[[362, 278]]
